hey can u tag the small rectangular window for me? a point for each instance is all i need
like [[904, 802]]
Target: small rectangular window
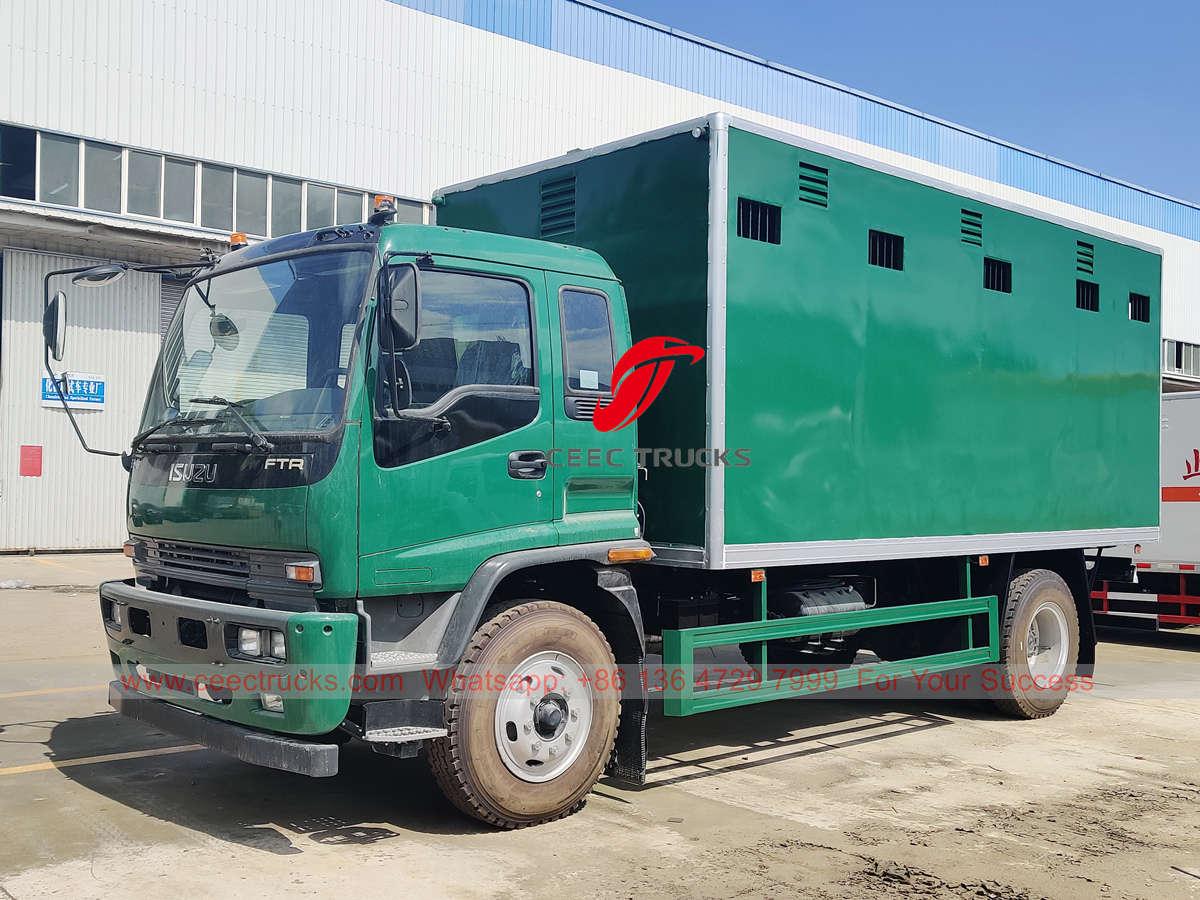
[[759, 221], [251, 203], [587, 341], [102, 177], [349, 207], [143, 191], [1139, 307], [18, 161], [216, 197], [285, 206], [59, 181], [997, 275], [179, 190], [885, 250], [1087, 295], [319, 211]]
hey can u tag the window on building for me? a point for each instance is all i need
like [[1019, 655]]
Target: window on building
[[285, 206], [143, 191], [1087, 295], [102, 177], [885, 250], [319, 209], [1139, 307], [251, 203], [349, 207], [587, 341], [759, 221], [179, 190], [18, 162], [997, 275], [216, 197], [59, 181]]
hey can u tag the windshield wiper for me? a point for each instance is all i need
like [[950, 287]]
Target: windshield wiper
[[257, 438], [153, 429]]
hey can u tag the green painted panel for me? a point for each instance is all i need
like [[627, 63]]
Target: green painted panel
[[645, 210], [882, 403]]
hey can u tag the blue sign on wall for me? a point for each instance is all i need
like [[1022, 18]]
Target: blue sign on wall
[[82, 391]]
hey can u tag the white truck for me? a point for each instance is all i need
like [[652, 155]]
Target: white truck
[[1156, 584]]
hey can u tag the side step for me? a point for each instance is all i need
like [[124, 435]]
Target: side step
[[403, 734], [401, 660]]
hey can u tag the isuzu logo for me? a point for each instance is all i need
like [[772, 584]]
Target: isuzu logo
[[193, 473], [285, 463]]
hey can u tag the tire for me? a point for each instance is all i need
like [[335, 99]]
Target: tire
[[1035, 687], [490, 765]]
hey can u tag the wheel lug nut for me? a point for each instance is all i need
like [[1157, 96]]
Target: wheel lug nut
[[528, 728], [553, 751], [568, 738], [536, 747], [574, 715]]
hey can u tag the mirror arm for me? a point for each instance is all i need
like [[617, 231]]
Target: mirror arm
[[54, 379], [57, 382]]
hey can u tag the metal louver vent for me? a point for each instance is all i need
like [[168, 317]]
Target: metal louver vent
[[1085, 257], [585, 408], [556, 214], [814, 185], [972, 227]]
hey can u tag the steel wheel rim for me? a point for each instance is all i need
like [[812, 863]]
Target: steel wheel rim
[[1046, 642], [543, 716]]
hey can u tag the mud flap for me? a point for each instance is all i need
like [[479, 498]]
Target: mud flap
[[628, 760]]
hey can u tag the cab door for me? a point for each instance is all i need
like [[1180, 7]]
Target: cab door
[[594, 473], [459, 472]]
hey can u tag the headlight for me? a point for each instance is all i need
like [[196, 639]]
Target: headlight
[[278, 648], [250, 641]]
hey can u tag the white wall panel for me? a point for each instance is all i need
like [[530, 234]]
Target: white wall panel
[[79, 501]]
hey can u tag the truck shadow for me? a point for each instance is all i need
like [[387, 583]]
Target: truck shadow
[[377, 798], [1171, 640]]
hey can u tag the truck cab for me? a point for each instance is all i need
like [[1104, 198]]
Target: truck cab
[[342, 428]]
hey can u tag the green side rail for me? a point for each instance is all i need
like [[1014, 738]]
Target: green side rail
[[682, 698]]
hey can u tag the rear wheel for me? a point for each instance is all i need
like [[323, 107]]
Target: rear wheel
[[529, 733], [1039, 644]]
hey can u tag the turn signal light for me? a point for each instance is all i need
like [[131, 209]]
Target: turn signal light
[[127, 549], [630, 554], [237, 240], [305, 573], [758, 575]]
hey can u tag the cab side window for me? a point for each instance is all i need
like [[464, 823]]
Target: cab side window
[[471, 375], [588, 353]]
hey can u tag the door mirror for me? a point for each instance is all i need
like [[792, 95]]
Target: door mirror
[[401, 296], [54, 326], [99, 276]]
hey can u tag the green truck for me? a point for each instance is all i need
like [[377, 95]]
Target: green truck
[[455, 489]]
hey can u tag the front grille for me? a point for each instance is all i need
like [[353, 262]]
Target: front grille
[[240, 575], [199, 559]]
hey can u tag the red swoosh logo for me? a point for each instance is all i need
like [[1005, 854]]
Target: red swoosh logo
[[639, 378]]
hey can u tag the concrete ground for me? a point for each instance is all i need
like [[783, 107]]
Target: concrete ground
[[820, 799]]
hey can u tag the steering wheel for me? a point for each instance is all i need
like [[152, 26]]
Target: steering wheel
[[329, 375]]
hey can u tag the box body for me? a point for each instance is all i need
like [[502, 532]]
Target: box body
[[887, 412]]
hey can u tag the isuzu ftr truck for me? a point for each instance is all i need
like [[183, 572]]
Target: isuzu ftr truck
[[710, 390]]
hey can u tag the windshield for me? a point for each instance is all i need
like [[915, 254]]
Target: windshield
[[274, 339]]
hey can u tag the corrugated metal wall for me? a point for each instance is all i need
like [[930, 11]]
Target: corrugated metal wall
[[79, 500]]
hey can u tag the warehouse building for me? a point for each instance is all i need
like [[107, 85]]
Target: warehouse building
[[147, 130]]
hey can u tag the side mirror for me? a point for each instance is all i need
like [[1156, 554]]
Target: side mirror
[[401, 306], [98, 276], [54, 326]]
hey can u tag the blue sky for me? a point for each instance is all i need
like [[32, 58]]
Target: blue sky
[[1111, 86]]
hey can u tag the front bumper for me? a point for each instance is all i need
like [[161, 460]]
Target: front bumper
[[271, 750], [205, 675]]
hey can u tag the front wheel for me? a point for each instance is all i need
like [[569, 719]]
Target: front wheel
[[1039, 644], [528, 731]]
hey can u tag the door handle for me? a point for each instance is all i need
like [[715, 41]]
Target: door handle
[[527, 464]]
